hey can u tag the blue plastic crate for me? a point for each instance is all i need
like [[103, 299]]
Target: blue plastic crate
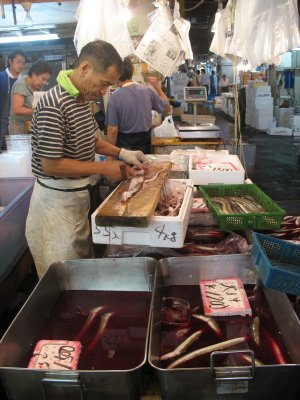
[[278, 262]]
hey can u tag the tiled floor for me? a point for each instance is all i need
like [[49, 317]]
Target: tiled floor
[[276, 172]]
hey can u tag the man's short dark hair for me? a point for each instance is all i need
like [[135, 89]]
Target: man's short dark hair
[[127, 70], [39, 68], [101, 55], [203, 70], [15, 53]]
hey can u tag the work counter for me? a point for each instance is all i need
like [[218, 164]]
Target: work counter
[[167, 145]]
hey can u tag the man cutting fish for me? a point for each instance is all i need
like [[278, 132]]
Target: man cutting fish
[[64, 142]]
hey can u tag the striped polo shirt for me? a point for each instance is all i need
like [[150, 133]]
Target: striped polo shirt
[[61, 128]]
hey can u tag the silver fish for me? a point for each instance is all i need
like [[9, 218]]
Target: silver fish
[[183, 346], [206, 350], [210, 322], [247, 358], [254, 330]]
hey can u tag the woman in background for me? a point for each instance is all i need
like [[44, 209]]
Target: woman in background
[[22, 95]]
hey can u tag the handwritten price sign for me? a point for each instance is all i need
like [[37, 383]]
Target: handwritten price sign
[[224, 297]]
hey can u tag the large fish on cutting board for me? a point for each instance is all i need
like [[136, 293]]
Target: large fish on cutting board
[[134, 201]]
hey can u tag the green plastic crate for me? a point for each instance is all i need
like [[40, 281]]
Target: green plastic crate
[[271, 219]]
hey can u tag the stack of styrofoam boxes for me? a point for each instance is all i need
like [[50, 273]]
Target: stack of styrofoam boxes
[[295, 125], [227, 103], [283, 116], [230, 106], [259, 105], [224, 103]]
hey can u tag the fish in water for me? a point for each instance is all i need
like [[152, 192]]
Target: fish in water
[[183, 346], [214, 326], [90, 319], [254, 330], [206, 350], [103, 323]]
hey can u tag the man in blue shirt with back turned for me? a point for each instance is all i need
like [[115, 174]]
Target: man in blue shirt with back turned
[[129, 111]]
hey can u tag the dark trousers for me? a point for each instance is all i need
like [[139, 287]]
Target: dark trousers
[[135, 141]]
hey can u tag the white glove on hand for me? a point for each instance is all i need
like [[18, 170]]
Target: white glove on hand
[[131, 157]]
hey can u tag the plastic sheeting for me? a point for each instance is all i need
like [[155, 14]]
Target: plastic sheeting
[[102, 20], [259, 31]]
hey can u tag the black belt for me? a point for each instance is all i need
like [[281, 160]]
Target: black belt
[[87, 187]]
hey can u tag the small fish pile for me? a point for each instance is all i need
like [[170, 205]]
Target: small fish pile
[[171, 199], [289, 230], [238, 205]]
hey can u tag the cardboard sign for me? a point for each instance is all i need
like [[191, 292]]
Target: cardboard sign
[[223, 297]]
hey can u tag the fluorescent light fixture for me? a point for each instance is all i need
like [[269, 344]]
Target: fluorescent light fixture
[[28, 38]]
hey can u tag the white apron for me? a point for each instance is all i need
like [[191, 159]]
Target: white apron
[[57, 226]]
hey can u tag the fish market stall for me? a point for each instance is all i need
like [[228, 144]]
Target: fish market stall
[[97, 318], [251, 351]]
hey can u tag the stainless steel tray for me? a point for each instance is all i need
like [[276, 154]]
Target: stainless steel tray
[[134, 274], [266, 382]]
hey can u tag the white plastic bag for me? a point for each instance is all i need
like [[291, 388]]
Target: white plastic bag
[[166, 129], [102, 20]]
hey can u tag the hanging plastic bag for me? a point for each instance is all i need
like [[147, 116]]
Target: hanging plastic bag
[[183, 27], [259, 31], [166, 129], [102, 20], [161, 46]]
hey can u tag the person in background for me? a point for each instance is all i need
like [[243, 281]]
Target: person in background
[[22, 95], [64, 143], [213, 83], [224, 84], [204, 79], [16, 62], [196, 78], [129, 111]]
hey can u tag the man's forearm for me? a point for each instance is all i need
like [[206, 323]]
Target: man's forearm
[[112, 134], [106, 148]]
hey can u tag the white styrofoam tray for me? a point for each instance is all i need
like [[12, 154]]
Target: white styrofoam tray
[[280, 131], [218, 177], [161, 232], [15, 164]]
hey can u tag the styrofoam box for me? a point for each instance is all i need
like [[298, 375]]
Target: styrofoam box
[[229, 177], [296, 130], [161, 232], [15, 165], [280, 131]]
